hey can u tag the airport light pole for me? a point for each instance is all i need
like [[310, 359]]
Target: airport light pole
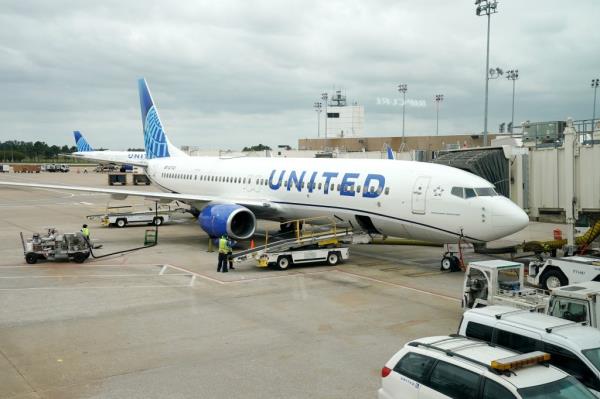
[[486, 7], [513, 75], [402, 88], [595, 84], [317, 106], [324, 97], [438, 99]]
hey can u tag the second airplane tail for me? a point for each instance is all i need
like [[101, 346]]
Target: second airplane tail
[[81, 142], [156, 143]]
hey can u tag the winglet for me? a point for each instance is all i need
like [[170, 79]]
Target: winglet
[[81, 142]]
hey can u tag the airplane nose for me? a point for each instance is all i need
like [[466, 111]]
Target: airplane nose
[[509, 218]]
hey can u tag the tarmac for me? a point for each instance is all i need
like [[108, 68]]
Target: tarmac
[[161, 322]]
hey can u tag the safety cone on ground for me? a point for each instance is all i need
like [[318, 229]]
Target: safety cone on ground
[[252, 244]]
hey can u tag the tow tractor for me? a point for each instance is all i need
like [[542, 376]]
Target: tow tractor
[[55, 246], [321, 244], [556, 272]]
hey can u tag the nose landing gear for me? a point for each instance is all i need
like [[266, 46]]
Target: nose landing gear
[[450, 262]]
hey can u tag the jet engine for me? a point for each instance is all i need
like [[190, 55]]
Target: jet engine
[[236, 221]]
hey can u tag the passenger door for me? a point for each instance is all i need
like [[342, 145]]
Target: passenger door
[[419, 194]]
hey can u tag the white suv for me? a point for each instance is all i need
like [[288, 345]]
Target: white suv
[[462, 368]]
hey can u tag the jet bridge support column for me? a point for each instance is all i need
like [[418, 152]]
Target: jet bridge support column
[[570, 202]]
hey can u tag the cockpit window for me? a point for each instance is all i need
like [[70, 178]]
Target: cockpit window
[[458, 191], [470, 193], [486, 192]]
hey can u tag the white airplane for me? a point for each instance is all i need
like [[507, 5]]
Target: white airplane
[[85, 151], [415, 200]]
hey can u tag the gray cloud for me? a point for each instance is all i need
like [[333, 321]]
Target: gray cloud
[[232, 73]]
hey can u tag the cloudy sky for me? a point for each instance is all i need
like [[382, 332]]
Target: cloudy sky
[[226, 73]]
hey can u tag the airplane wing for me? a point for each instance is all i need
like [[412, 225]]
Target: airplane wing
[[96, 156], [151, 195]]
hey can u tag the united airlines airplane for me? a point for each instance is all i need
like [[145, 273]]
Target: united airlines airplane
[[417, 200], [85, 151]]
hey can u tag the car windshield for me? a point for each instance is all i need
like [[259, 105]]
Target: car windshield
[[593, 356], [567, 388], [486, 192]]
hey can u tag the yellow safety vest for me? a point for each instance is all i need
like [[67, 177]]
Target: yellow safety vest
[[86, 232], [223, 247]]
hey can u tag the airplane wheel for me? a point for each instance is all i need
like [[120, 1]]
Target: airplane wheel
[[283, 262], [333, 258], [31, 258], [446, 264]]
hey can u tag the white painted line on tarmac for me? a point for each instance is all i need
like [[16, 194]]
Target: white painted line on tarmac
[[96, 276], [406, 287], [95, 288]]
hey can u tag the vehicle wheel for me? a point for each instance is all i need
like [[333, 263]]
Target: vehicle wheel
[[157, 221], [333, 258], [446, 264], [79, 257], [31, 258], [121, 223], [147, 182], [283, 262], [553, 279]]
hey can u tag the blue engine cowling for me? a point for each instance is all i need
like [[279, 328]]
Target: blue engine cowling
[[236, 221]]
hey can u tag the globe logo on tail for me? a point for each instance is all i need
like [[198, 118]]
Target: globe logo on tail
[[154, 136]]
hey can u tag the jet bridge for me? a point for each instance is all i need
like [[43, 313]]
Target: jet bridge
[[489, 163]]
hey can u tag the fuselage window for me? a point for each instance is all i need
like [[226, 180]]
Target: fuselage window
[[320, 185], [332, 187], [338, 187], [358, 189], [379, 190], [387, 190], [470, 193]]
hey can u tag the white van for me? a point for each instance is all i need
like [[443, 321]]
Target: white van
[[450, 367], [573, 347]]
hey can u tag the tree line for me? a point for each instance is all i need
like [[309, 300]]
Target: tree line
[[28, 151]]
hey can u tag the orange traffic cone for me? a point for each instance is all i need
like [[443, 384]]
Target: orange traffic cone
[[252, 244]]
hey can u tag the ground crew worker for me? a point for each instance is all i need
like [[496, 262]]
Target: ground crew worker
[[223, 249], [230, 254], [86, 232]]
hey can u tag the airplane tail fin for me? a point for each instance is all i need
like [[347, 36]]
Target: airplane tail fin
[[81, 142], [156, 143], [390, 152]]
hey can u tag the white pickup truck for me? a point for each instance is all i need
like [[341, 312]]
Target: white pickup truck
[[500, 282]]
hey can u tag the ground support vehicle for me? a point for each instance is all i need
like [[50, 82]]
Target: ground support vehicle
[[499, 282], [578, 302], [459, 367], [303, 255], [117, 178], [126, 215], [556, 272], [55, 246], [296, 245]]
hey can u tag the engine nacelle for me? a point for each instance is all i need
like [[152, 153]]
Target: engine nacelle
[[235, 221]]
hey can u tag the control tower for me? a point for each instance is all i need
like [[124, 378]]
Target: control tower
[[344, 120]]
